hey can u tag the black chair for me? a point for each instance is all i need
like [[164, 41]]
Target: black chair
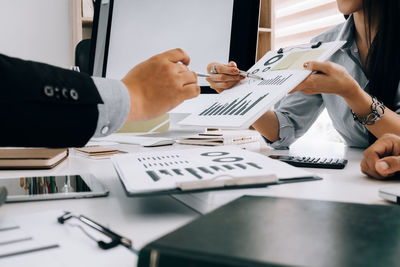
[[82, 55]]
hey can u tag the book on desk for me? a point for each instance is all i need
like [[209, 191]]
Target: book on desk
[[269, 231], [31, 158]]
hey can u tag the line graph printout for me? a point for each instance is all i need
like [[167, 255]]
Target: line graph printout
[[242, 105]]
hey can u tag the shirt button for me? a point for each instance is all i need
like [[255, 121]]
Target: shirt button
[[355, 50], [74, 94], [104, 130], [48, 91]]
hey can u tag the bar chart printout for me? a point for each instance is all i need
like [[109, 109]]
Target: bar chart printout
[[238, 107], [208, 164], [152, 172], [281, 71], [200, 168]]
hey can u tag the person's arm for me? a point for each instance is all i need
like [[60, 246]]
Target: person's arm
[[290, 120], [45, 106], [48, 106], [382, 159], [268, 126], [334, 79], [149, 90]]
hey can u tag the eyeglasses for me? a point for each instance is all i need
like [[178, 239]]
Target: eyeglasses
[[115, 238]]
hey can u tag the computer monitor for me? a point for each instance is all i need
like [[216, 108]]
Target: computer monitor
[[127, 32]]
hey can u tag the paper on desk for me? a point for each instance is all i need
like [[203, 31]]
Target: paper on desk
[[75, 248], [169, 170], [16, 242], [135, 140]]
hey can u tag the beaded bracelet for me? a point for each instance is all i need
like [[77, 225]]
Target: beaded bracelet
[[377, 112]]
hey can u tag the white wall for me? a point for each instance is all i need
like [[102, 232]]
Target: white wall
[[37, 30]]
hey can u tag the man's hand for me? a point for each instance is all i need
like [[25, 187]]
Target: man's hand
[[382, 160], [160, 84]]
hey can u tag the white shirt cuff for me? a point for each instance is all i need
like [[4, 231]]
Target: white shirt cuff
[[115, 110]]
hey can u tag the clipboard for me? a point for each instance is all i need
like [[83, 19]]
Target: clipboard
[[280, 70], [202, 169]]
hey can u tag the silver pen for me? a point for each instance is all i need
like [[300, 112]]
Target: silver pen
[[241, 73], [249, 75]]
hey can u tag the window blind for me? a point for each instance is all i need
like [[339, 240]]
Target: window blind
[[297, 21]]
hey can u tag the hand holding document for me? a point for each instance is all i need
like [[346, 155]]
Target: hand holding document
[[281, 71]]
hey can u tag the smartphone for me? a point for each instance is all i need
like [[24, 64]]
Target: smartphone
[[52, 187]]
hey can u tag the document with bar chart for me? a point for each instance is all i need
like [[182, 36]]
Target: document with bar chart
[[184, 170], [282, 70]]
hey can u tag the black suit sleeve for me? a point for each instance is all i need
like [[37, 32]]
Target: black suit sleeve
[[45, 106]]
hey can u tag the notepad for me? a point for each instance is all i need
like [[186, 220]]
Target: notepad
[[97, 152], [31, 158]]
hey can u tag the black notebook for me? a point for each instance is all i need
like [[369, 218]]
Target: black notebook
[[266, 231]]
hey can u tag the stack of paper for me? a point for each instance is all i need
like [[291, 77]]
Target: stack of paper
[[222, 138]]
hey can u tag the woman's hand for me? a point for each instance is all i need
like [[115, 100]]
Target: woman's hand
[[226, 76], [330, 78]]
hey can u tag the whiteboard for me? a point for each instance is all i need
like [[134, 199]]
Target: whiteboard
[[141, 29]]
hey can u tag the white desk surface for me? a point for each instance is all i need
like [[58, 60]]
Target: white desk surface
[[347, 185], [145, 219]]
